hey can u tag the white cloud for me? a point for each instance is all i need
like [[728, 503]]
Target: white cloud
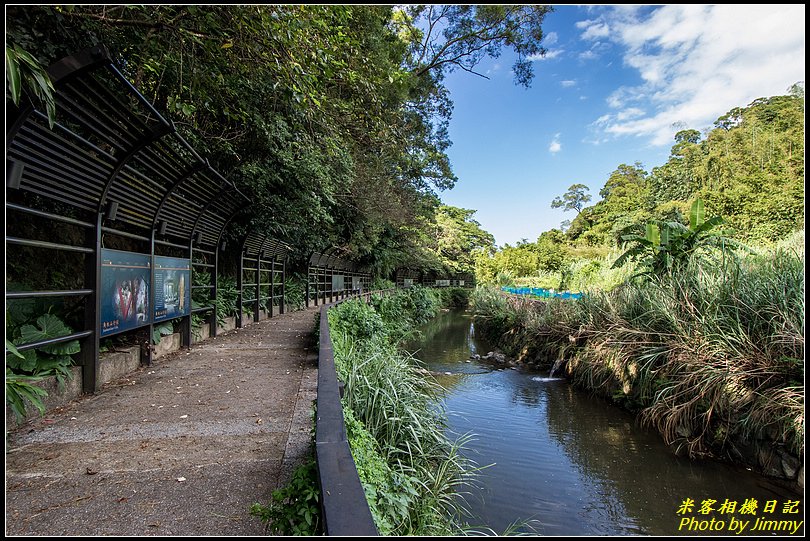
[[627, 114], [550, 38], [696, 62], [496, 67], [555, 146], [596, 50], [550, 54], [568, 83], [594, 29]]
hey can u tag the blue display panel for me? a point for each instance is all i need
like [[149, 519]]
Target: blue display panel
[[172, 287], [124, 295]]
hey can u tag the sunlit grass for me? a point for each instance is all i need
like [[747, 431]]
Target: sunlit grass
[[395, 401], [710, 357]]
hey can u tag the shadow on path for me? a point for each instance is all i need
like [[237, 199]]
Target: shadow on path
[[182, 447]]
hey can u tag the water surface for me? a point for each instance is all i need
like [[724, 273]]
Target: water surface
[[574, 464]]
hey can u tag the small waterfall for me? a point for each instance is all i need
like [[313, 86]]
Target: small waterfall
[[471, 339], [557, 364]]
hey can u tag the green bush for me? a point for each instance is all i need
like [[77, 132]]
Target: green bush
[[454, 297], [29, 321], [227, 298], [356, 318], [295, 291], [393, 415], [423, 304], [713, 351], [390, 494], [294, 509]]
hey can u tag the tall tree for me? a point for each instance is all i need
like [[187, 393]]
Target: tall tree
[[458, 236], [330, 117], [574, 199], [449, 37]]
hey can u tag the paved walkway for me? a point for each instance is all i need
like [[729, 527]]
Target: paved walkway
[[183, 447]]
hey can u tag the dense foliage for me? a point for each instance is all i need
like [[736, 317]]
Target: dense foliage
[[294, 509], [333, 118], [749, 169], [408, 467], [712, 356]]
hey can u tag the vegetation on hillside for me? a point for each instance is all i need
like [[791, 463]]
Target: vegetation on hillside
[[748, 169], [711, 355]]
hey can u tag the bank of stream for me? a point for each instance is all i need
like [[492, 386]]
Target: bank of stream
[[567, 463]]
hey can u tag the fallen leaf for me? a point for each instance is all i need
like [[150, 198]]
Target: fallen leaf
[[181, 479]]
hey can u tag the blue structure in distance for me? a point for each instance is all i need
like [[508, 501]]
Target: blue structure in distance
[[541, 292]]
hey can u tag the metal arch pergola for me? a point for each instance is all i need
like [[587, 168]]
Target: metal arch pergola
[[330, 277], [115, 167], [262, 258], [405, 277]]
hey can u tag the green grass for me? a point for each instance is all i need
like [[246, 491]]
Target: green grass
[[710, 358], [410, 469]]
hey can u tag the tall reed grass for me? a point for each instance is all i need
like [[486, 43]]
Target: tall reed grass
[[713, 358], [410, 469]]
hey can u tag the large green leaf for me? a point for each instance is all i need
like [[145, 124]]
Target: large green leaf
[[25, 362], [161, 329], [13, 75], [58, 366], [708, 224], [10, 348], [665, 236], [653, 234], [38, 81], [49, 326], [19, 390], [697, 214]]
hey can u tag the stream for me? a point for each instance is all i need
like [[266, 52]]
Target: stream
[[563, 462]]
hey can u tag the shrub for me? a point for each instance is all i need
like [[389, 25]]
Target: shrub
[[710, 356]]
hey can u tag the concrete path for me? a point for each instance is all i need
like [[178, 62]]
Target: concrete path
[[182, 447]]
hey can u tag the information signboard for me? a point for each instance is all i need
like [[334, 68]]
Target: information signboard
[[124, 295], [172, 287]]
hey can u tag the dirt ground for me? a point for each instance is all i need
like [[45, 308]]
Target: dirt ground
[[182, 447]]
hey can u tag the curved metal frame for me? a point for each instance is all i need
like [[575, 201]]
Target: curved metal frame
[[323, 282], [262, 250], [114, 158]]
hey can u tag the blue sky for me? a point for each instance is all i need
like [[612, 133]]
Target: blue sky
[[616, 84]]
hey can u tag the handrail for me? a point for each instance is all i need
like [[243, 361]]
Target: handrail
[[344, 506]]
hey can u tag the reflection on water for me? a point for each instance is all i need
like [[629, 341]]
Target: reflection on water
[[571, 463]]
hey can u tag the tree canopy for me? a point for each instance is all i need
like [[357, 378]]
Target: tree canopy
[[574, 199], [333, 118]]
